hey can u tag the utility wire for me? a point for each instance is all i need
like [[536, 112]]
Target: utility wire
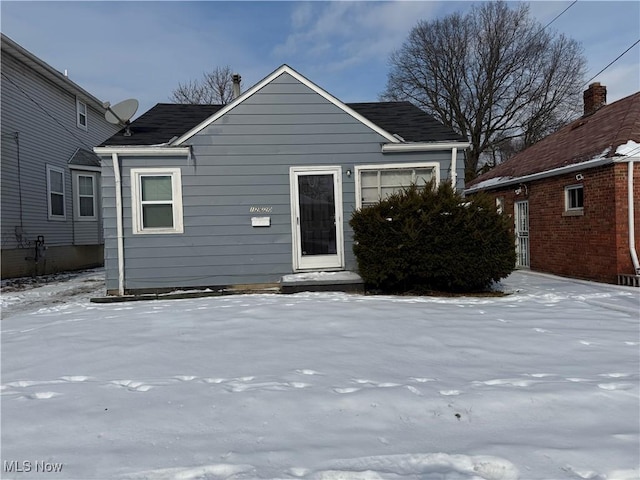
[[614, 61], [45, 111], [560, 14]]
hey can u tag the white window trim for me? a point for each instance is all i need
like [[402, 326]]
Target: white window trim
[[567, 208], [391, 166], [76, 196], [136, 200], [50, 215], [78, 113]]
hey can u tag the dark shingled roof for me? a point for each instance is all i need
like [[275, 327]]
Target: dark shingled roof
[[166, 121], [583, 139], [406, 120], [84, 158], [162, 123]]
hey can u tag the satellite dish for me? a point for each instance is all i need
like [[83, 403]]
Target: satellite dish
[[121, 113]]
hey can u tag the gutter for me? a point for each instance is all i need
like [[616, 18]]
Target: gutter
[[422, 146], [144, 150], [537, 176]]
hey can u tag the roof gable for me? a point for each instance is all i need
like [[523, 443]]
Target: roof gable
[[258, 86], [585, 139]]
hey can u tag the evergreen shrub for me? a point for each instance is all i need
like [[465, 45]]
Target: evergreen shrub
[[432, 239]]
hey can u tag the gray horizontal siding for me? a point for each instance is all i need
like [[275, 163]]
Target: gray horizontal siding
[[239, 161], [44, 117]]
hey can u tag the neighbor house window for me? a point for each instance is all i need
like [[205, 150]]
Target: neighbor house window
[[85, 196], [81, 114], [377, 182], [156, 196], [574, 199], [55, 193]]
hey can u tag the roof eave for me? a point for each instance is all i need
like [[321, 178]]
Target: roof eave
[[540, 175], [423, 146], [38, 65], [143, 150]]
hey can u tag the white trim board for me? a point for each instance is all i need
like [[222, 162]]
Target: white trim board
[[258, 86], [143, 150]]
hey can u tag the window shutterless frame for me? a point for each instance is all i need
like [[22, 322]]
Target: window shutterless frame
[[56, 198], [81, 114], [371, 177], [573, 198], [156, 201], [85, 196]]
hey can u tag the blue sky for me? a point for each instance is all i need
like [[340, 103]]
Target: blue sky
[[119, 50]]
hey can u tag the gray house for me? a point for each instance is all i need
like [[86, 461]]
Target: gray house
[[51, 218], [245, 193]]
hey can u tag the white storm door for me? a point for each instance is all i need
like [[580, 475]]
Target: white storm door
[[316, 218], [522, 234]]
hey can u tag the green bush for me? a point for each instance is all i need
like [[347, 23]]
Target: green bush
[[430, 238]]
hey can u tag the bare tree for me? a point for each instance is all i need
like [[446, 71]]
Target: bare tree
[[494, 75], [215, 87]]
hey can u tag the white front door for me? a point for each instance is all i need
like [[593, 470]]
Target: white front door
[[522, 234], [316, 222]]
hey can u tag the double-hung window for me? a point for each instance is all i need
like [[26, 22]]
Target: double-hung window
[[81, 114], [574, 199], [55, 193], [85, 196], [376, 182], [156, 196]]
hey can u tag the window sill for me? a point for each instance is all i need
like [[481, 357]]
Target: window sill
[[579, 212], [158, 232]]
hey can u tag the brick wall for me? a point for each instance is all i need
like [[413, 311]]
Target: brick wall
[[591, 246]]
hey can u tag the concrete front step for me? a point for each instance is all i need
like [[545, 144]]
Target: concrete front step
[[322, 282]]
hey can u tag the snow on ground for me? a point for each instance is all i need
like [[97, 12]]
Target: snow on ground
[[539, 384]]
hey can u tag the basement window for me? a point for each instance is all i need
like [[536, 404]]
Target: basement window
[[574, 200], [156, 196]]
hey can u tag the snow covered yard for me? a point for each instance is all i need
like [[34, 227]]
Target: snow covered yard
[[539, 384]]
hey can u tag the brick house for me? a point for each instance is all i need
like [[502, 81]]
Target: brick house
[[574, 195]]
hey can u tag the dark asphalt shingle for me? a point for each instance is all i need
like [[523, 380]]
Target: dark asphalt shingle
[[166, 121]]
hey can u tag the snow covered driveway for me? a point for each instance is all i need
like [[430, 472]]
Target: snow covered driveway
[[539, 384]]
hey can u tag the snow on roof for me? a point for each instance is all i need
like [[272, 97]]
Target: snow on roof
[[629, 149]]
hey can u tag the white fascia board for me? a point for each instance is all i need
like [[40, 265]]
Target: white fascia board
[[258, 86], [423, 146], [143, 150], [540, 175]]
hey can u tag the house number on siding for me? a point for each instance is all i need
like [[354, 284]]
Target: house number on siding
[[260, 209]]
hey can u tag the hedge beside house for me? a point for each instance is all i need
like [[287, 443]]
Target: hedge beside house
[[430, 238]]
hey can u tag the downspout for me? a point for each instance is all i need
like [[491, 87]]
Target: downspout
[[454, 173], [119, 230], [632, 237]]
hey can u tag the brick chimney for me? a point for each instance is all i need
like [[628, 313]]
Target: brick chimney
[[594, 97]]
